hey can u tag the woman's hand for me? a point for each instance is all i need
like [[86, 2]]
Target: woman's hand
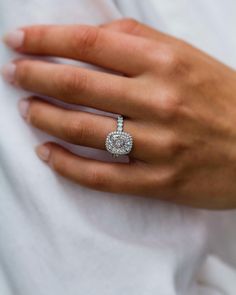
[[179, 105]]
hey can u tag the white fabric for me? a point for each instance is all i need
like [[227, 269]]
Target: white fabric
[[59, 238]]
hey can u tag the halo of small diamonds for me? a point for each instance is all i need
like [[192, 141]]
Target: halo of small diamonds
[[119, 143]]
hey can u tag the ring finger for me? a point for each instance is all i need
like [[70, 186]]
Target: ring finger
[[91, 130], [76, 127]]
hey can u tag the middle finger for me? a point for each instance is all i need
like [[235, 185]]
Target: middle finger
[[81, 86]]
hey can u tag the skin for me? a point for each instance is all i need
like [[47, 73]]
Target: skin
[[179, 105]]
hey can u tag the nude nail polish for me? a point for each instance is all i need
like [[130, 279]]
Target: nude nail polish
[[8, 72], [23, 107], [14, 39], [43, 153]]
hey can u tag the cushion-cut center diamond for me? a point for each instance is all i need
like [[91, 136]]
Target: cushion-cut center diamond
[[119, 143]]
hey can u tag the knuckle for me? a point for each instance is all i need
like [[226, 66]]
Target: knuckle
[[85, 38], [173, 179], [164, 179], [153, 54], [81, 82], [97, 180], [170, 178], [170, 59], [23, 70], [174, 146], [76, 130], [130, 25], [169, 104], [68, 83], [175, 63]]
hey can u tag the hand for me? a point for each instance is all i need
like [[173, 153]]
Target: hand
[[179, 105]]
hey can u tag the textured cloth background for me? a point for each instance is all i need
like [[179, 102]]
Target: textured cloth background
[[58, 238]]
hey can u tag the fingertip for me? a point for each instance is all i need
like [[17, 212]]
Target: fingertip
[[23, 107], [8, 72], [14, 39], [43, 152]]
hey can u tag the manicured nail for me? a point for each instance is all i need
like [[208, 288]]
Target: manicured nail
[[8, 72], [23, 107], [14, 39], [43, 152]]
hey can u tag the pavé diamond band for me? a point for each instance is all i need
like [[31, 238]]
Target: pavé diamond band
[[119, 143]]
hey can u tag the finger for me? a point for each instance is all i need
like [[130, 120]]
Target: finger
[[77, 127], [133, 27], [75, 85], [109, 177], [112, 50], [153, 145]]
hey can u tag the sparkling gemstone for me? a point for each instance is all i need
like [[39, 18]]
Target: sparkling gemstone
[[119, 143]]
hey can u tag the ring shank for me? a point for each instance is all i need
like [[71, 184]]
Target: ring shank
[[120, 123]]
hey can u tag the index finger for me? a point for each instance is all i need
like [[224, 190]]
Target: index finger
[[112, 50]]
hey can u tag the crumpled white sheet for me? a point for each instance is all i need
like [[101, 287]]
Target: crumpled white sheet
[[59, 238]]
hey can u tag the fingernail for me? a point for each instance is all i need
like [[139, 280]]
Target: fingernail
[[8, 72], [14, 39], [23, 107], [43, 152]]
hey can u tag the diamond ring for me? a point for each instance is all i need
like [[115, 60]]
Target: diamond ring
[[119, 143]]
